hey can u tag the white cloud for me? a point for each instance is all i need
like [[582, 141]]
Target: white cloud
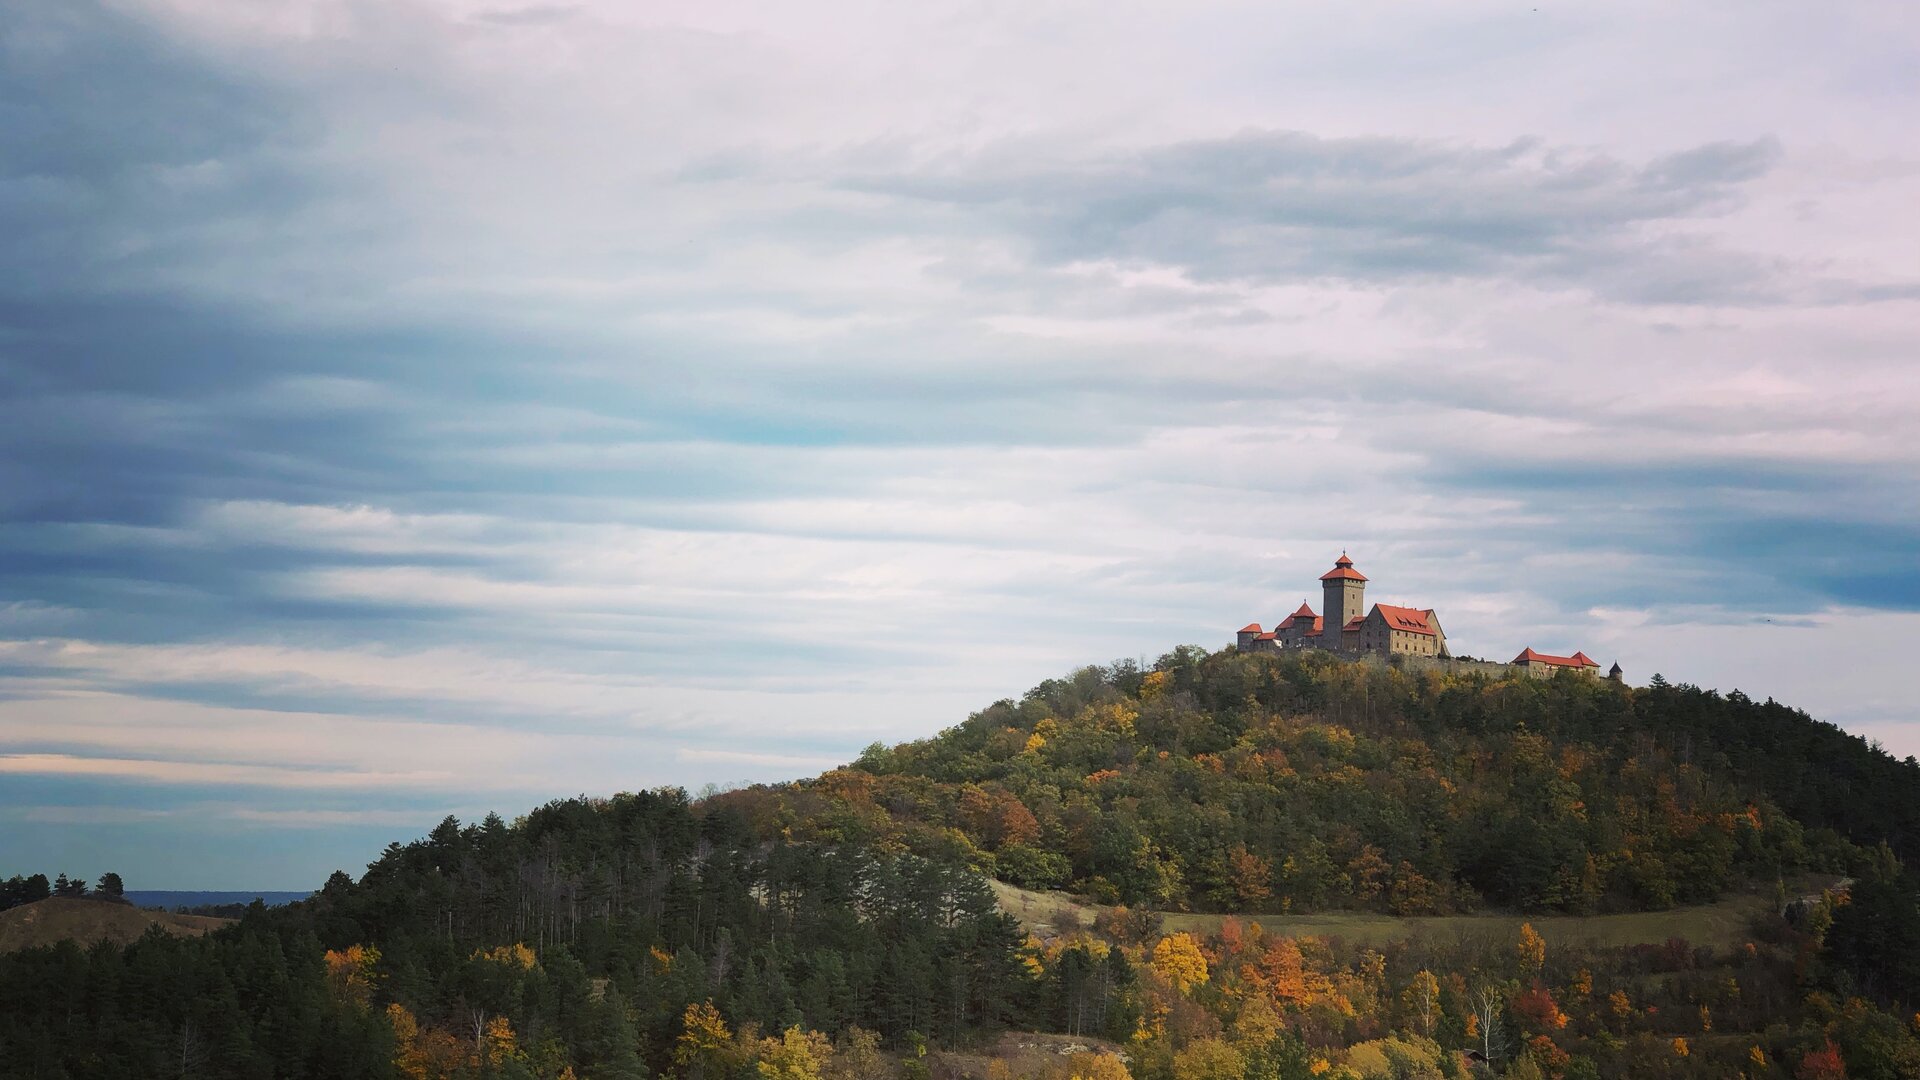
[[492, 403]]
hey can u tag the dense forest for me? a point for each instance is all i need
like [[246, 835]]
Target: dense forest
[[1250, 782], [843, 928], [577, 937]]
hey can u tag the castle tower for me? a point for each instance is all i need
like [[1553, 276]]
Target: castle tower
[[1343, 593]]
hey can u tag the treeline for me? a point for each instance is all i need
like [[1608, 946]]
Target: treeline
[[1299, 782], [27, 889], [575, 938], [246, 1003], [1813, 770], [678, 904]]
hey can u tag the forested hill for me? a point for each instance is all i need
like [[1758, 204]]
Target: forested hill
[[1297, 782], [838, 928], [579, 941]]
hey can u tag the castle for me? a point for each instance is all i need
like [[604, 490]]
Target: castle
[[1349, 626]]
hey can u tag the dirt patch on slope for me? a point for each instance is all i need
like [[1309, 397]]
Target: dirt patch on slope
[[87, 921]]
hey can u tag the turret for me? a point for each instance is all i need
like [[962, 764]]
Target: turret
[[1343, 593], [1616, 674]]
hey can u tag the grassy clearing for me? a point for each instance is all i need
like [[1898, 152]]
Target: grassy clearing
[[87, 921], [1723, 924], [1024, 1053]]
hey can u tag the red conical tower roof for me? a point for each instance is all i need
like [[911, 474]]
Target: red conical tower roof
[[1343, 571]]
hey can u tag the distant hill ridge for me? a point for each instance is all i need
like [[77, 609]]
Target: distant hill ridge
[[169, 899]]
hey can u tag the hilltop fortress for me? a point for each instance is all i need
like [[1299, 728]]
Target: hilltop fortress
[[1386, 631]]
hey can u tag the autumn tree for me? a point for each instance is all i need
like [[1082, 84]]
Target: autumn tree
[[1251, 877], [857, 1056], [1127, 925], [705, 1045], [1209, 1059], [1257, 1023], [1281, 972], [1531, 951], [1088, 1066], [795, 1055], [1621, 1007], [1422, 1000], [1489, 1022], [1177, 959], [352, 973], [1824, 1063], [1540, 1012], [500, 1045]]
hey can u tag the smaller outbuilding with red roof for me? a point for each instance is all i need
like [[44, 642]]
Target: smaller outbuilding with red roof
[[1545, 664]]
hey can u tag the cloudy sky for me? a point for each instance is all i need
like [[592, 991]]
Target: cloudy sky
[[423, 406]]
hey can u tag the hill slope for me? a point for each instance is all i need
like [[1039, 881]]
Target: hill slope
[[1296, 783], [797, 930], [45, 922]]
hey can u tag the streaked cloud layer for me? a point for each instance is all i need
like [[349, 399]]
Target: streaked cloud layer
[[427, 407]]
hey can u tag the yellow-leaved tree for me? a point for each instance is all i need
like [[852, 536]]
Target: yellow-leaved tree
[[1257, 1023], [1422, 1000], [795, 1055], [514, 955], [1178, 960], [1209, 1059], [1100, 1066], [424, 1053], [501, 1045], [858, 1056], [704, 1044]]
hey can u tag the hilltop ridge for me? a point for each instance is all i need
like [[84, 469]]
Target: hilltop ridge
[[1291, 781]]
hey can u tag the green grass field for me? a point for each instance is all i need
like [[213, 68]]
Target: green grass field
[[1724, 924]]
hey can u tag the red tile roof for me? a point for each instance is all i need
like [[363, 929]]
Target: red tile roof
[[1303, 611], [1264, 637], [1578, 659], [1343, 571], [1289, 621], [1250, 628], [1412, 620]]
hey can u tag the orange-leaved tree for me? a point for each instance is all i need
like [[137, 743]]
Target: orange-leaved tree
[[1531, 950], [1822, 1064], [351, 973]]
